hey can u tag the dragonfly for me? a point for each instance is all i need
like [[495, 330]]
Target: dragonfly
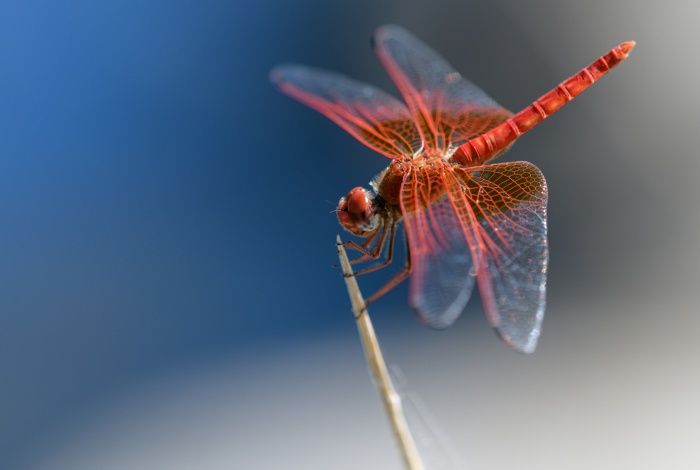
[[467, 221]]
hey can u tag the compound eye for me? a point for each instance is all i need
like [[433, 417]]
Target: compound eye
[[355, 212], [359, 204], [343, 215]]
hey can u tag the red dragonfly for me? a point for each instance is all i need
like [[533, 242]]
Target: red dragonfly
[[465, 221]]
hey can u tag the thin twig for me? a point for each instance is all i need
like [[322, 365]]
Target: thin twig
[[375, 359]]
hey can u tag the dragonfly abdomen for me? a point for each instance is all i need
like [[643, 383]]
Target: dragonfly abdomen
[[495, 141]]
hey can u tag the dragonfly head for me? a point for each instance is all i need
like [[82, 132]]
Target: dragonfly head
[[357, 212]]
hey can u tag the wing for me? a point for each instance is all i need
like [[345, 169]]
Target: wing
[[371, 116], [448, 109], [507, 203], [442, 271]]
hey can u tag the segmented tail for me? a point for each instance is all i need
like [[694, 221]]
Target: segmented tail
[[491, 143]]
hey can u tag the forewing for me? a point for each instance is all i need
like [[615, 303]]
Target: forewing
[[448, 109], [509, 205], [443, 274], [373, 117]]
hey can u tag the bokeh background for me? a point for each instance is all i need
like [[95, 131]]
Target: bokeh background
[[167, 295]]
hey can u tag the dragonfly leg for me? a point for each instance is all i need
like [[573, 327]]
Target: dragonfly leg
[[375, 252], [394, 281], [362, 247], [389, 256]]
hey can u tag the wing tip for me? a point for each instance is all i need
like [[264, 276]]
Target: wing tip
[[288, 70], [388, 28], [385, 31], [441, 324], [448, 315], [279, 72], [527, 347]]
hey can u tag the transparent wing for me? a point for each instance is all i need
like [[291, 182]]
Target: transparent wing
[[448, 109], [373, 117], [442, 274], [508, 204]]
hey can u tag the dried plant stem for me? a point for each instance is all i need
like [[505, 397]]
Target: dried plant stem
[[375, 359]]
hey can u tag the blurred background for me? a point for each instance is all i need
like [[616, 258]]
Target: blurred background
[[167, 295]]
